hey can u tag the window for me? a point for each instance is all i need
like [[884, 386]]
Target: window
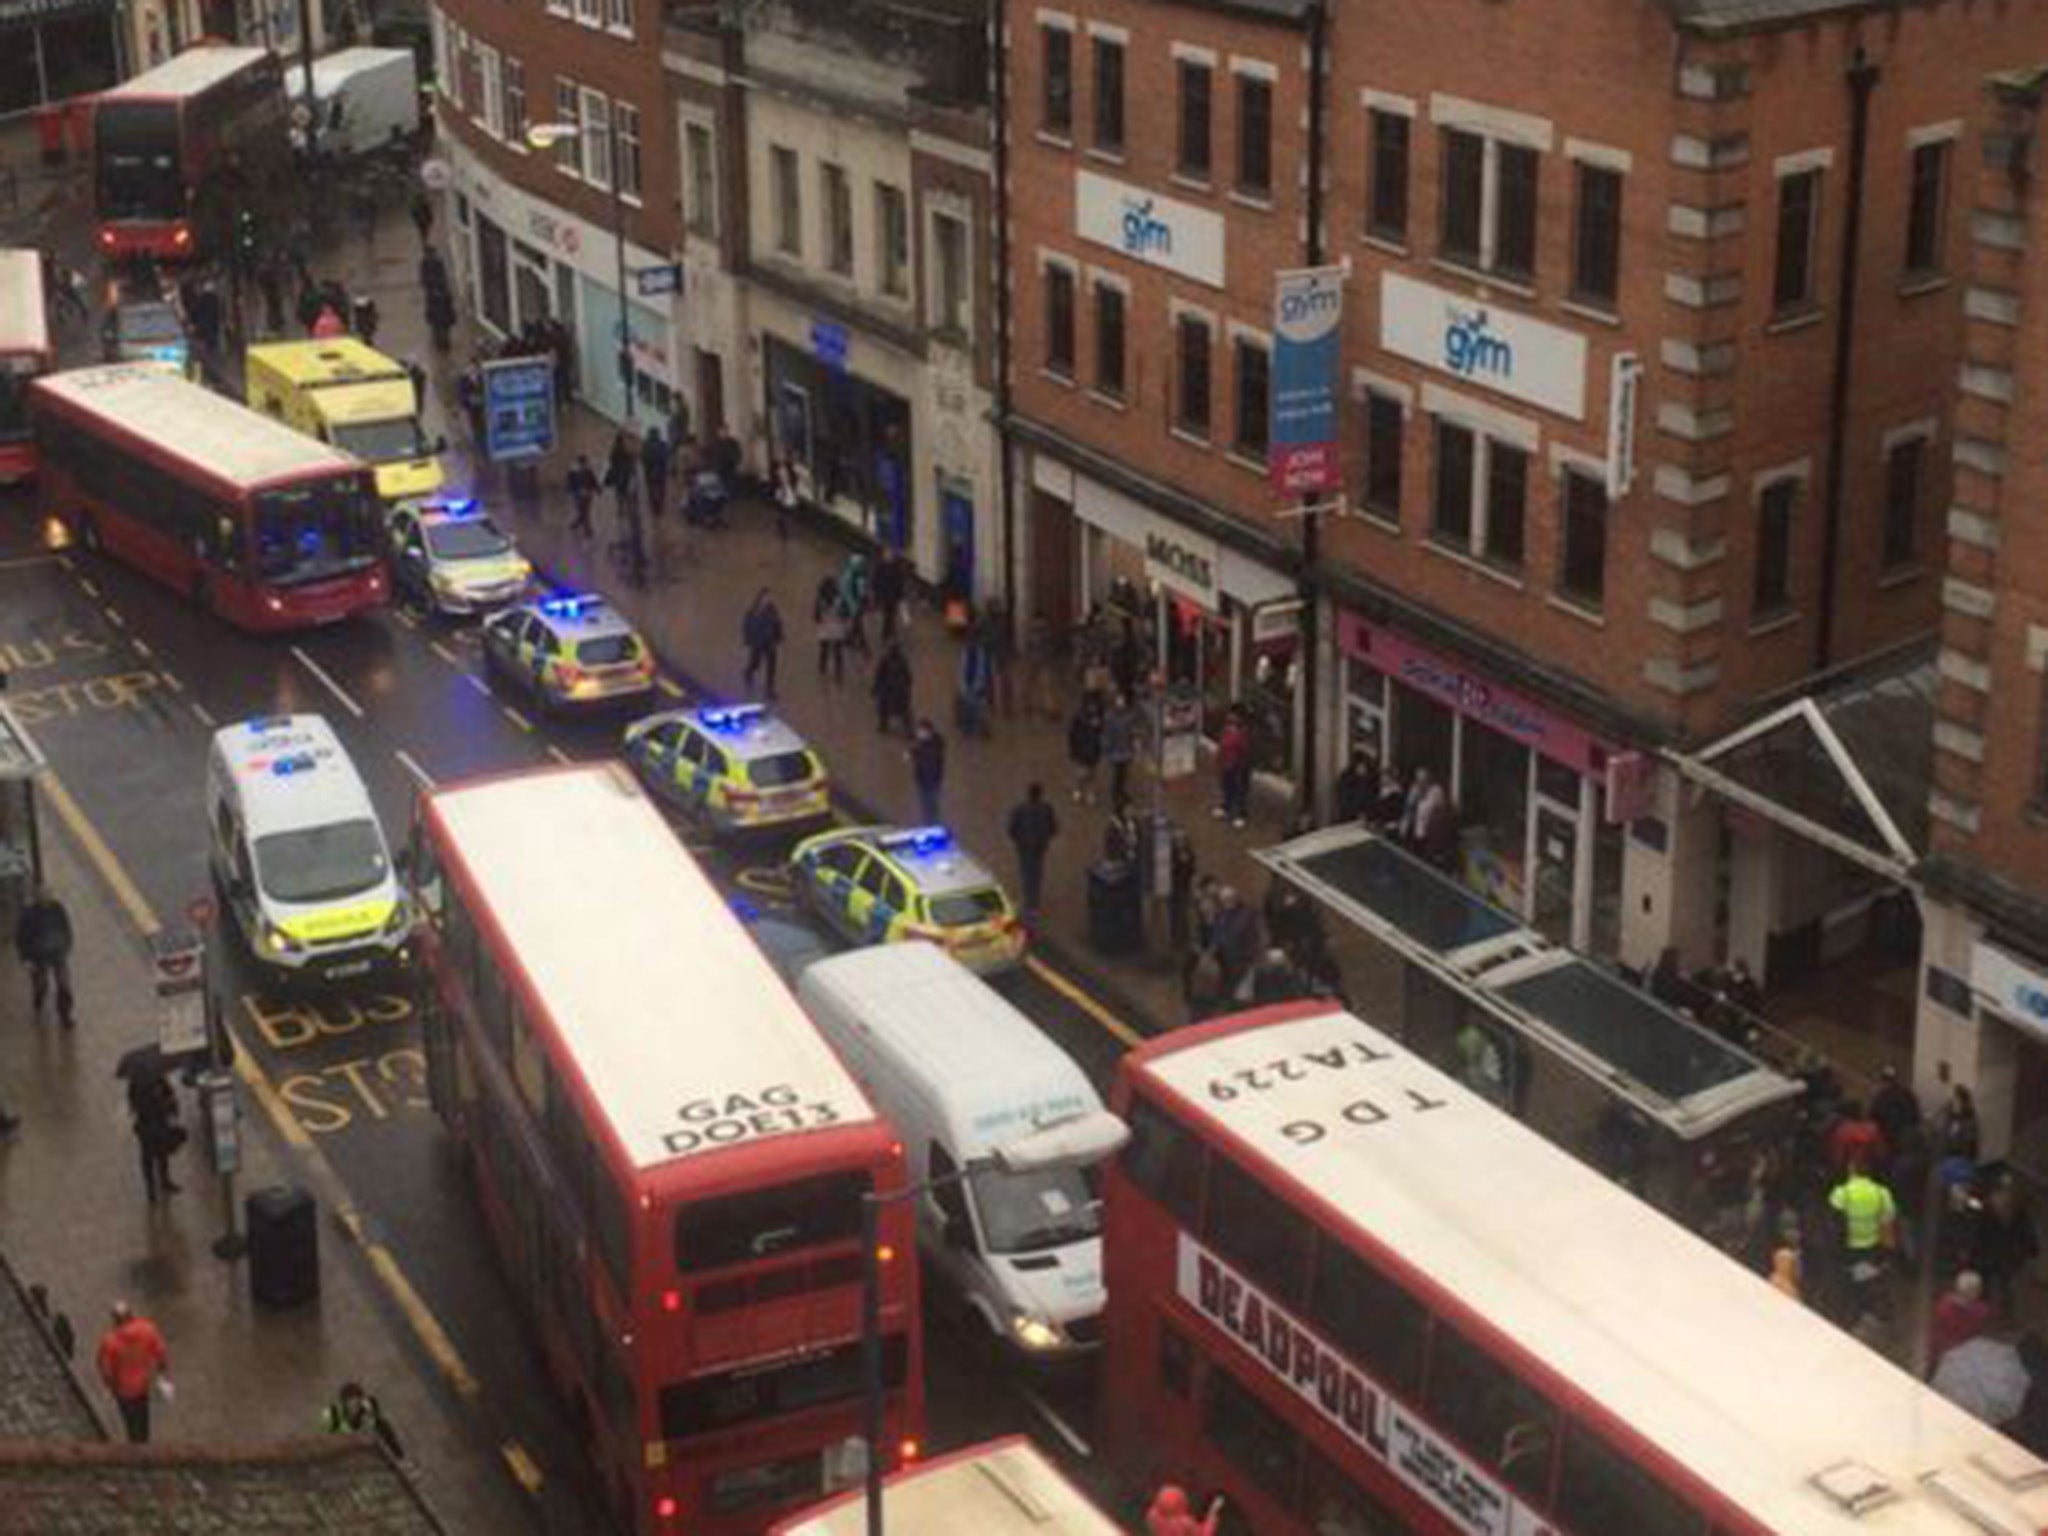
[[1164, 1162], [1798, 221], [1258, 1232], [1774, 547], [1337, 1506], [1254, 136], [949, 252], [1056, 106], [1596, 239], [892, 239], [1176, 1362], [1506, 1423], [1507, 503], [619, 14], [1379, 1325], [1059, 321], [700, 183], [1254, 397], [1191, 375], [1109, 95], [1603, 1493], [1387, 210], [568, 152], [1457, 454], [1384, 426], [590, 12], [836, 192], [762, 1223], [1489, 212], [595, 139], [1109, 340], [491, 94], [515, 100], [1902, 471], [789, 209], [1482, 494], [1191, 152], [1464, 195], [626, 123], [1251, 1436], [1924, 209], [1514, 228], [1582, 560]]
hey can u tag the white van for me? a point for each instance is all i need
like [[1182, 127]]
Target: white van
[[960, 1073], [299, 861]]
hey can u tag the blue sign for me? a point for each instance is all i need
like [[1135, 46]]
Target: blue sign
[[1308, 313], [653, 282], [828, 344], [519, 408]]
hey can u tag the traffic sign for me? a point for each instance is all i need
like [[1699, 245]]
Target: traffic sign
[[653, 282], [436, 175]]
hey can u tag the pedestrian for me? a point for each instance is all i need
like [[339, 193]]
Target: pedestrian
[[830, 622], [355, 1411], [1033, 826], [999, 635], [928, 770], [977, 687], [761, 631], [1788, 1263], [1122, 725], [366, 318], [153, 1113], [1274, 979], [1959, 1315], [654, 467], [728, 460], [1855, 1141], [2002, 1242], [1355, 789], [132, 1360], [1170, 1514], [42, 938], [891, 588], [328, 324], [1234, 769], [1084, 746], [1869, 1233], [1180, 890], [855, 593], [440, 308], [582, 492], [308, 308], [891, 687], [1433, 824], [1236, 939], [270, 284], [1390, 801], [1956, 1131], [422, 211], [621, 475], [1120, 833]]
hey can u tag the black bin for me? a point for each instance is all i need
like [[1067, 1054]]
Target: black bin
[[1116, 908], [284, 1246]]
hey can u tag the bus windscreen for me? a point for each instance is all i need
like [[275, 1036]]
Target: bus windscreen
[[135, 148], [16, 374], [764, 1223], [314, 530]]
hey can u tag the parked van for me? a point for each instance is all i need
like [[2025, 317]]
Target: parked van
[[298, 859], [365, 97], [961, 1073], [347, 393]]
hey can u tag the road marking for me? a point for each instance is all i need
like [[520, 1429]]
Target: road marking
[[1059, 1425], [515, 717], [204, 714], [477, 683], [447, 655], [141, 645], [559, 755], [425, 1326], [169, 681], [23, 562], [1083, 1001], [102, 857], [426, 779], [258, 1082], [671, 687], [327, 682], [405, 618], [525, 1471], [114, 617], [92, 588]]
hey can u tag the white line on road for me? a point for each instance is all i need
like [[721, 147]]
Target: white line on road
[[446, 655], [205, 715], [412, 767], [141, 645], [170, 680], [558, 754], [477, 683], [515, 717], [91, 587], [405, 618], [1059, 1425], [328, 683], [114, 618]]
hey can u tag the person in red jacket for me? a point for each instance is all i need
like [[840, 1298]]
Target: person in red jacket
[[1960, 1314], [1234, 769], [1171, 1516], [1857, 1141], [132, 1359]]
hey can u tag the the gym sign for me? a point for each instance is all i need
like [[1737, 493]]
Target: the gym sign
[[1159, 231], [1480, 343], [1184, 561], [2016, 990]]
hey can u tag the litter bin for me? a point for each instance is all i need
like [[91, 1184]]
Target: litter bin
[[1116, 908], [284, 1246]]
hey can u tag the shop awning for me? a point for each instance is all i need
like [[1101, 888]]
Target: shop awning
[[1671, 1069], [1847, 766]]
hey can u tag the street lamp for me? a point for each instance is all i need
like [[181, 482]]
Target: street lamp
[[546, 136], [1074, 1142]]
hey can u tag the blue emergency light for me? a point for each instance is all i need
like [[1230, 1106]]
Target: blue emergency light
[[466, 507], [570, 606], [731, 717], [262, 723], [297, 762], [920, 840]]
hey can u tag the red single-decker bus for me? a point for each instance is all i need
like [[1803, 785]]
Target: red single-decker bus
[[25, 356]]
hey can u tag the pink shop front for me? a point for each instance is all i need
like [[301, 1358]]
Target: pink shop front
[[1528, 785]]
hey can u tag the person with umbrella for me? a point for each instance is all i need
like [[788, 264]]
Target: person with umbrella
[[153, 1111], [1984, 1377]]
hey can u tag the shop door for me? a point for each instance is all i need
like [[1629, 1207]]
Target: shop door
[[956, 520], [790, 414], [1556, 857], [1052, 561], [531, 290], [710, 392]]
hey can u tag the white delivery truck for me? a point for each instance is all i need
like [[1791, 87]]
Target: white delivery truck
[[962, 1074], [362, 97]]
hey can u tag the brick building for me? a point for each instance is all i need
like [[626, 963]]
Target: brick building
[[534, 232], [1634, 451]]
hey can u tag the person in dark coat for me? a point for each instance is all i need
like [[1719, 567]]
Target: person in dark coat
[[891, 578], [622, 475], [1895, 1108], [440, 304], [1033, 826], [2003, 1242], [1180, 889], [654, 467], [1356, 786], [1084, 746], [582, 492], [1236, 939], [153, 1112], [928, 769], [761, 630], [891, 689], [42, 940]]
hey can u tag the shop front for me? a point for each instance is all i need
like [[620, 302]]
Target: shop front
[[53, 50], [848, 438], [1527, 787]]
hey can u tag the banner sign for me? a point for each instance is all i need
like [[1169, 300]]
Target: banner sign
[[1624, 385], [1159, 231], [1308, 312], [519, 408], [1483, 344]]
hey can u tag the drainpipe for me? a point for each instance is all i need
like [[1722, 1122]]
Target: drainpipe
[[999, 123], [1862, 80], [1312, 522]]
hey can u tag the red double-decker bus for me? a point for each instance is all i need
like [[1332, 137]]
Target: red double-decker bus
[[265, 526], [177, 149], [670, 1157], [25, 356], [1356, 1299]]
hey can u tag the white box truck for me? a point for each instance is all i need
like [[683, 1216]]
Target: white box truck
[[362, 97]]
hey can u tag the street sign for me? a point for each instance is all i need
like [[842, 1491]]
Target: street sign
[[519, 408], [436, 175], [829, 342], [653, 282]]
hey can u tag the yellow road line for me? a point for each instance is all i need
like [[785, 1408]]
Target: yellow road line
[[258, 1082], [670, 687], [137, 906], [425, 1326], [525, 1471], [1083, 1001]]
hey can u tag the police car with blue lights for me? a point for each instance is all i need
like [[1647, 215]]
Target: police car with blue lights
[[880, 885], [567, 651], [731, 768], [449, 557]]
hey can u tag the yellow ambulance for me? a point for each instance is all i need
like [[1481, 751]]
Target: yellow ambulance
[[344, 392]]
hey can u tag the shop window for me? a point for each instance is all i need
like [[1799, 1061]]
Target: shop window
[[1601, 1492], [1385, 424], [1258, 1232], [1387, 210], [700, 183], [1056, 102], [892, 239], [1792, 279], [1254, 135], [1254, 397], [949, 279], [1109, 339], [1163, 1161], [1904, 467], [1489, 204], [1506, 1423], [788, 201], [836, 193], [1457, 451], [1059, 320], [1109, 94], [1772, 592], [1492, 800], [626, 124], [1369, 1317], [1925, 207], [567, 151], [1192, 346], [1252, 1437], [1582, 558], [1596, 242], [1191, 150]]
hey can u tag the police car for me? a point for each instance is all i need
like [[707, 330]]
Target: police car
[[449, 557], [734, 768], [566, 651], [878, 885]]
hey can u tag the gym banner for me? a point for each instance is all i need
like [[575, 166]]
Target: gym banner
[[1308, 314]]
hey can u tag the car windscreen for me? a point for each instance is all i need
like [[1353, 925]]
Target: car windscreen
[[475, 539], [1031, 1212], [144, 324], [381, 442], [780, 768], [135, 150], [959, 909], [607, 650], [314, 529], [321, 863]]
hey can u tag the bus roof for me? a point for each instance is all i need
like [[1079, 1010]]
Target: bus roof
[[218, 436], [1756, 1395], [24, 315], [1004, 1488], [654, 987], [197, 70]]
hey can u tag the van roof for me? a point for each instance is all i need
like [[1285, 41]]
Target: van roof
[[327, 360], [986, 1062], [291, 772]]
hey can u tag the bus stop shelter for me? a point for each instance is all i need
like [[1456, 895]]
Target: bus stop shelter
[[21, 849]]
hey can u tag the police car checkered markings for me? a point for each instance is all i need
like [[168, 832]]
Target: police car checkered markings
[[685, 1035], [1756, 1398]]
